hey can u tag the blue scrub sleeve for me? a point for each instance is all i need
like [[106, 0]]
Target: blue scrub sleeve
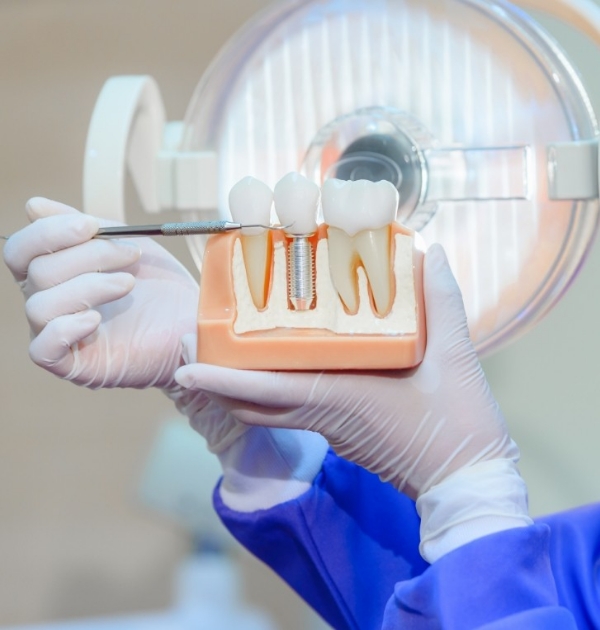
[[575, 558], [349, 547], [503, 580], [340, 557]]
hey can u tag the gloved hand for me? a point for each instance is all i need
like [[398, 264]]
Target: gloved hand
[[103, 313], [262, 467], [413, 428], [111, 313]]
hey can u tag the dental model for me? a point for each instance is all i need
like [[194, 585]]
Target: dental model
[[346, 294]]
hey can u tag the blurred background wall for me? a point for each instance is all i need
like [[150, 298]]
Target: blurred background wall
[[75, 541]]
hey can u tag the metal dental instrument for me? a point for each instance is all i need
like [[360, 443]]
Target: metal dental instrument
[[175, 229], [178, 229]]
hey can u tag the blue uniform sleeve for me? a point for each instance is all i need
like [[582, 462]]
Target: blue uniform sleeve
[[339, 551], [503, 580], [349, 547], [575, 557]]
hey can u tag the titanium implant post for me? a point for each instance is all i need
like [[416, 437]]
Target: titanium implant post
[[301, 273]]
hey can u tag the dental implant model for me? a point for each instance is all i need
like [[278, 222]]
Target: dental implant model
[[346, 294], [296, 203]]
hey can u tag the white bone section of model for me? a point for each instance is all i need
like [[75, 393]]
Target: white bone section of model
[[329, 312], [296, 203], [250, 201], [359, 215]]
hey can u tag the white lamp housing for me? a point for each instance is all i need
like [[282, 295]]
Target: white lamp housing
[[468, 106]]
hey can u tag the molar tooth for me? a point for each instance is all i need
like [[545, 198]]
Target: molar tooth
[[335, 199], [250, 202], [364, 211]]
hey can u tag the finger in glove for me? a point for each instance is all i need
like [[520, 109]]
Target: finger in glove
[[52, 348], [79, 294], [40, 207], [45, 236], [93, 256]]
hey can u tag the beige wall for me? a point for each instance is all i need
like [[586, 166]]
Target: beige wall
[[74, 541]]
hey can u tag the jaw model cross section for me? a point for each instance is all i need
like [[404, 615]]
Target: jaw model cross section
[[366, 309]]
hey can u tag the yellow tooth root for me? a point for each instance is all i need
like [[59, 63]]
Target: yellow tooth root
[[374, 248], [257, 252], [342, 266]]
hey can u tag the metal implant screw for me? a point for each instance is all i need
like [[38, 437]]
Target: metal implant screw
[[301, 273]]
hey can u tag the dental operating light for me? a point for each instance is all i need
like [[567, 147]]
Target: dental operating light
[[468, 107]]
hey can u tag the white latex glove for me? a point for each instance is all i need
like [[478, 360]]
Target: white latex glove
[[412, 428], [262, 467], [109, 313], [103, 313]]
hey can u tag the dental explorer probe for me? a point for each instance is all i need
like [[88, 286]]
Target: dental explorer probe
[[178, 229], [175, 229]]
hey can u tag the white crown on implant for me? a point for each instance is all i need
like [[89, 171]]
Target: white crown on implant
[[250, 201], [296, 202], [360, 205]]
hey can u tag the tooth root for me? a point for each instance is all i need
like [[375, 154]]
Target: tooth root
[[343, 260], [374, 249], [256, 250]]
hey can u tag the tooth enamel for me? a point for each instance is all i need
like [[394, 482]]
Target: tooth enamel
[[296, 202], [250, 202], [363, 210]]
